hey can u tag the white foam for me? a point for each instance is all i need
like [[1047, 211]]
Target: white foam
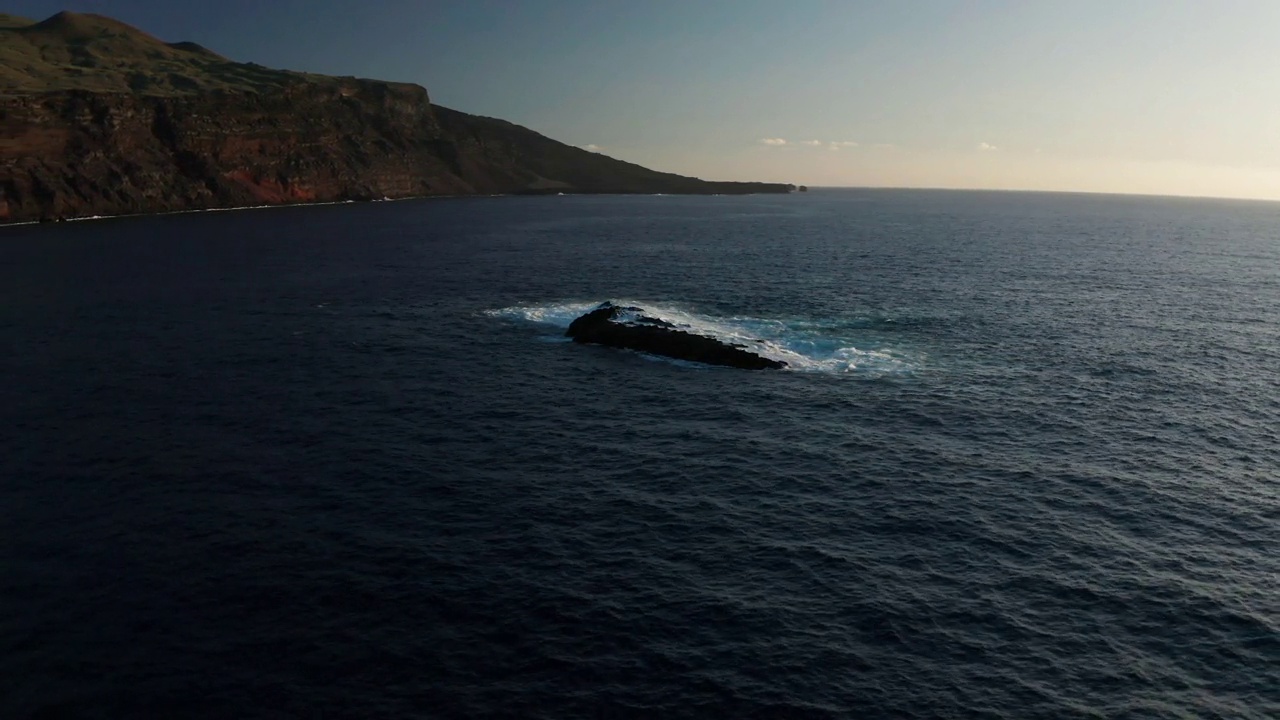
[[557, 314], [805, 345]]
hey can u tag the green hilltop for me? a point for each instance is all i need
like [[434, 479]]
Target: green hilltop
[[74, 51], [13, 21]]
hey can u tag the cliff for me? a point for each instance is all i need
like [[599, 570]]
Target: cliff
[[98, 118]]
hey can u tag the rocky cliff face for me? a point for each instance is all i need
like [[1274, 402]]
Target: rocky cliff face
[[298, 138], [79, 153]]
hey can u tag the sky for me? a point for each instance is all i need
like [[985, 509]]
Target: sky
[[1176, 97]]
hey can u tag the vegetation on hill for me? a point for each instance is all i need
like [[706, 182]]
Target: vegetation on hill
[[98, 118], [13, 21], [552, 166], [72, 51]]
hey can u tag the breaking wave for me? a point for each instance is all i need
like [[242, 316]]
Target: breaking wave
[[836, 346]]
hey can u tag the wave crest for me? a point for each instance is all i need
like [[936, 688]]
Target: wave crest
[[805, 344]]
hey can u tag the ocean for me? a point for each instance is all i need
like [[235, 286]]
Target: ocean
[[339, 461]]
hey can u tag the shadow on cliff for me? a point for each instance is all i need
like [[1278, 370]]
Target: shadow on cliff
[[99, 118]]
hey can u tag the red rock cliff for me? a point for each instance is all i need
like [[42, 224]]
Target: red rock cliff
[[79, 153], [98, 118]]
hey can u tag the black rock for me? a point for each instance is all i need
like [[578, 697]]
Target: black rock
[[659, 337]]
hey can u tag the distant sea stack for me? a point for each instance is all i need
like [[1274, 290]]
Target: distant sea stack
[[99, 118]]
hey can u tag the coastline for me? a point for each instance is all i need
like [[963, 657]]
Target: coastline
[[272, 206]]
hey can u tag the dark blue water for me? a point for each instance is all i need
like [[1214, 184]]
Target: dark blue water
[[336, 462]]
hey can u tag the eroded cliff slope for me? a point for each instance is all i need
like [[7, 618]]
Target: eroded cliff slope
[[98, 118]]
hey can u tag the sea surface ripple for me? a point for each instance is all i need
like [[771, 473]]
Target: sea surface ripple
[[340, 462]]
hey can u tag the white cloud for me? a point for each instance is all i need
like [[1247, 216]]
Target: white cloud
[[987, 147], [592, 147], [829, 144], [773, 141]]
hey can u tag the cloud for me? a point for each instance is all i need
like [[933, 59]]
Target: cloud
[[592, 147], [828, 144], [987, 147]]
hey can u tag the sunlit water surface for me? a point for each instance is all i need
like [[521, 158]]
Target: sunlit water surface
[[340, 461]]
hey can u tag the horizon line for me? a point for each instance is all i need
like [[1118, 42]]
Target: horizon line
[[1113, 193]]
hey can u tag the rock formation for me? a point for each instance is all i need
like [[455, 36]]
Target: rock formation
[[98, 118], [606, 326]]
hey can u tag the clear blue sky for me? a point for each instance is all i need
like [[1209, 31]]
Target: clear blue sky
[[1163, 96]]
